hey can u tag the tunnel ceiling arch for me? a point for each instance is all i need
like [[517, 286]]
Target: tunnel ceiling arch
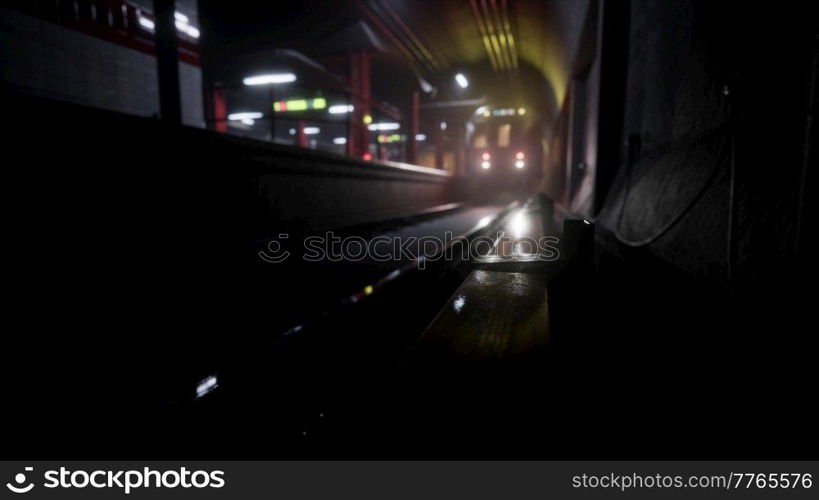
[[523, 47], [442, 36]]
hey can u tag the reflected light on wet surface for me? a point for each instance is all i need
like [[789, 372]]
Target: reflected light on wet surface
[[519, 224], [458, 303], [524, 249], [484, 222]]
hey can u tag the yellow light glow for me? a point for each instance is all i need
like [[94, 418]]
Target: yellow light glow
[[368, 119], [521, 111], [319, 103], [368, 290]]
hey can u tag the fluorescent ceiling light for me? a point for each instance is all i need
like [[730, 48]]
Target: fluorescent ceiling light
[[245, 115], [147, 23], [180, 20], [383, 126], [338, 109], [271, 78], [206, 386], [462, 81]]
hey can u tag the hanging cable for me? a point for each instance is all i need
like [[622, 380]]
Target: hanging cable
[[674, 220]]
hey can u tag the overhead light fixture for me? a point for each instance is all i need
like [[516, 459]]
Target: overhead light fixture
[[181, 22], [340, 141], [311, 130], [206, 386], [420, 137], [270, 79], [183, 25], [340, 109], [147, 23], [378, 127], [504, 112], [462, 81], [245, 115]]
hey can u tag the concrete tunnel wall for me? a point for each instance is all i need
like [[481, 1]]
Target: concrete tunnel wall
[[689, 138]]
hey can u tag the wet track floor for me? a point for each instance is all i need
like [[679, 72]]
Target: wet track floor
[[313, 286]]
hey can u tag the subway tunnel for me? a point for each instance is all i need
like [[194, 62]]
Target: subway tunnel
[[409, 229]]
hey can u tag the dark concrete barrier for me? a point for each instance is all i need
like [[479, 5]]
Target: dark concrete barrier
[[192, 179], [135, 237]]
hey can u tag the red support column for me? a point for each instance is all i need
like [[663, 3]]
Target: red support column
[[218, 110], [382, 151], [301, 137], [358, 140], [459, 148], [412, 152], [439, 147]]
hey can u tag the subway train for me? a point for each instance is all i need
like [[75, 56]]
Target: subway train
[[503, 141], [504, 149]]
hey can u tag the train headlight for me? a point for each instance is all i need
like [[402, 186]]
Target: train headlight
[[519, 163], [485, 161]]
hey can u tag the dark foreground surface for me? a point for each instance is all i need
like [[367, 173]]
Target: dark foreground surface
[[637, 362], [128, 288]]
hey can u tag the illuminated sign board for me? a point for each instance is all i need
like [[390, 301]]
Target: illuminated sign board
[[299, 105]]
